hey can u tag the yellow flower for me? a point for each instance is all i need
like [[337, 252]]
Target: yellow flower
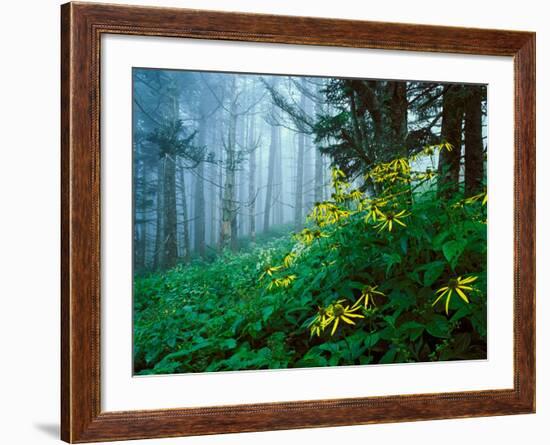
[[337, 173], [318, 324], [400, 164], [268, 270], [307, 236], [387, 220], [337, 312], [458, 285], [429, 150], [367, 295], [374, 210], [356, 195], [428, 174], [281, 282], [289, 259], [481, 196], [324, 213], [316, 327], [447, 146]]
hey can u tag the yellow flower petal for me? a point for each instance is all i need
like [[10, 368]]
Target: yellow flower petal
[[347, 320], [448, 301], [462, 295], [334, 326], [354, 315], [439, 298]]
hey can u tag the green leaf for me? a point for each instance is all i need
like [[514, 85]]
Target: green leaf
[[413, 328], [365, 360], [389, 356], [390, 260], [229, 343], [438, 327], [266, 312], [438, 239], [433, 272], [312, 357], [372, 339], [464, 311], [452, 251]]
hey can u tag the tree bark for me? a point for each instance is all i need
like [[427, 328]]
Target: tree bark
[[158, 261], [140, 228], [451, 132], [251, 184], [473, 141], [229, 214], [318, 186], [273, 147], [184, 216], [398, 116], [170, 214], [299, 194], [199, 223]]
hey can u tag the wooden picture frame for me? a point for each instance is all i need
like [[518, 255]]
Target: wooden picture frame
[[82, 26]]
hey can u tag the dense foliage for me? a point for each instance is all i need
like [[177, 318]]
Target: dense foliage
[[391, 277]]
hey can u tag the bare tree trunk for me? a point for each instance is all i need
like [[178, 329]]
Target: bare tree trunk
[[184, 216], [451, 132], [473, 141], [299, 196], [213, 194], [199, 224], [229, 214], [170, 215], [273, 147], [158, 261], [140, 202], [398, 116], [240, 217], [278, 186], [251, 184]]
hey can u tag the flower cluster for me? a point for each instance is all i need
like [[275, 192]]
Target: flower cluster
[[326, 213], [333, 314], [284, 281], [307, 236]]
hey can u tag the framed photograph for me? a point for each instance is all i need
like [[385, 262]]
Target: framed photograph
[[275, 222]]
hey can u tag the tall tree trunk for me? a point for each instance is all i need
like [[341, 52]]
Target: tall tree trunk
[[240, 217], [220, 198], [158, 261], [170, 214], [473, 141], [273, 147], [278, 186], [299, 195], [212, 190], [140, 215], [251, 183], [318, 186], [229, 214], [398, 117], [184, 216], [451, 132], [199, 224]]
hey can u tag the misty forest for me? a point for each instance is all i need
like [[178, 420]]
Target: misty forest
[[286, 221]]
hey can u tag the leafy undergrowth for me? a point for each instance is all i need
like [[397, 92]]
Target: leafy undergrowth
[[392, 279]]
